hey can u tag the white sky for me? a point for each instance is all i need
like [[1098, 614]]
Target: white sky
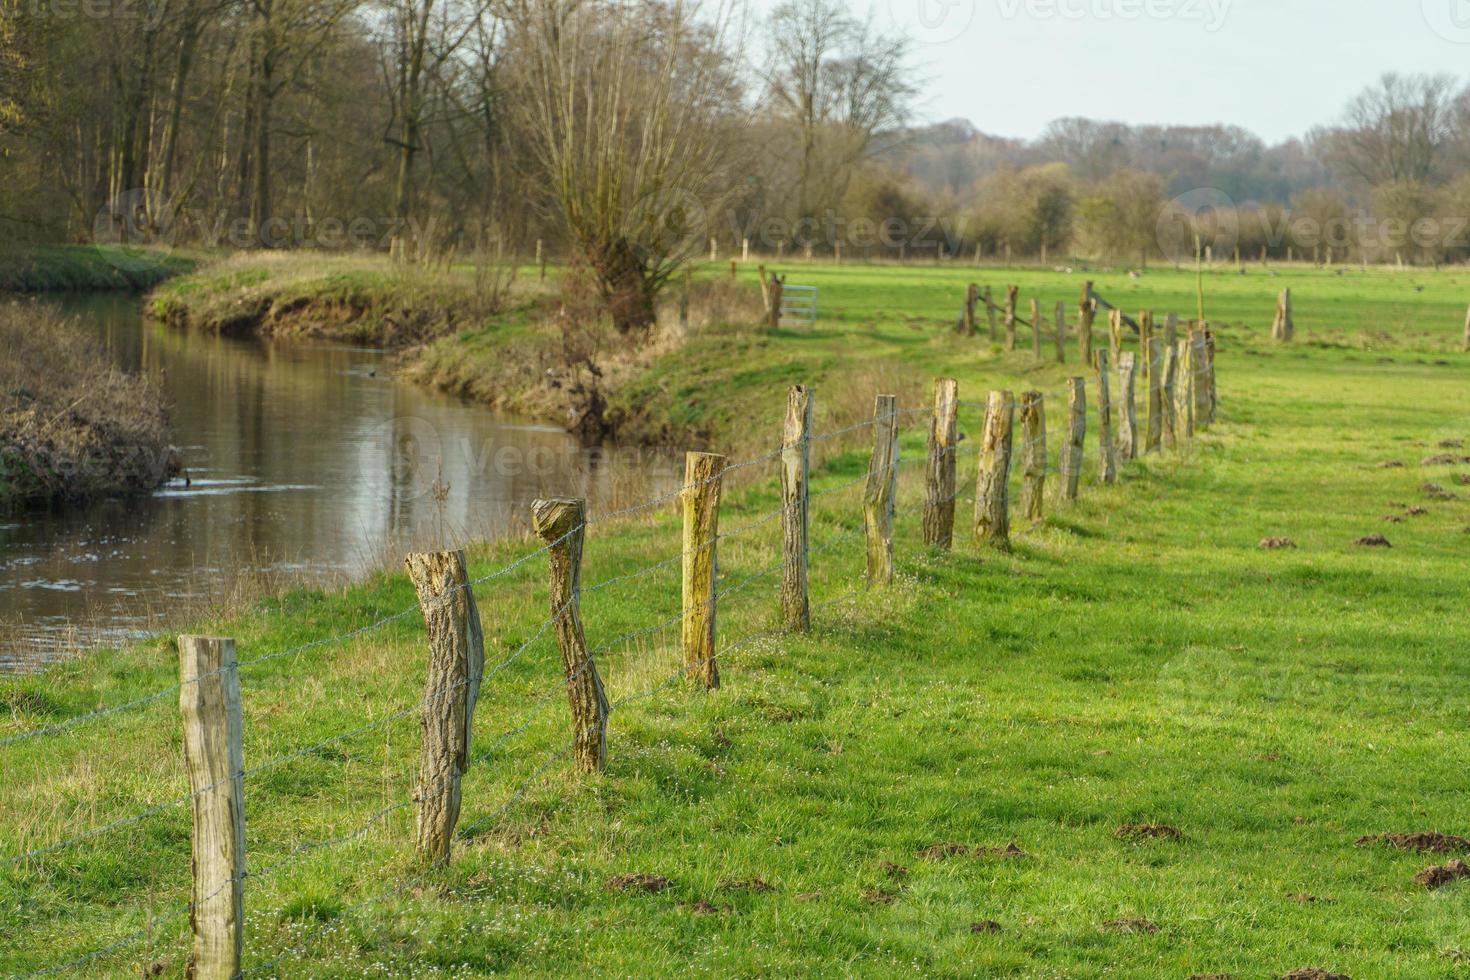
[[1276, 67]]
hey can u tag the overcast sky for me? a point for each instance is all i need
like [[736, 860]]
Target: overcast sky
[[1276, 67]]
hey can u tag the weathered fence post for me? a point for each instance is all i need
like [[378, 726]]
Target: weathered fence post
[[745, 250], [1012, 296], [1107, 462], [1076, 432], [940, 483], [541, 257], [1467, 329], [967, 318], [1033, 454], [1127, 415], [1036, 328], [1183, 392], [990, 313], [1061, 334], [1115, 334], [1171, 382], [562, 523], [1145, 335], [209, 700], [456, 665], [880, 489], [772, 286], [992, 493], [1211, 392], [1154, 437], [701, 499], [796, 463], [1282, 327], [1199, 360], [1086, 314]]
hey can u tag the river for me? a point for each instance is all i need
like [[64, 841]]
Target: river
[[303, 462]]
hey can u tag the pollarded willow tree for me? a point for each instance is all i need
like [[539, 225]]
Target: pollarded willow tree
[[631, 111]]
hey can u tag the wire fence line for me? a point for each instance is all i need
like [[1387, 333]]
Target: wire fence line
[[722, 587]]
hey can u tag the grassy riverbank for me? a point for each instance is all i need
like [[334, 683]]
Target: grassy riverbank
[[72, 427], [1138, 660], [88, 268]]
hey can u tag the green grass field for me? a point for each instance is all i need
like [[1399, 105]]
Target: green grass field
[[1136, 660]]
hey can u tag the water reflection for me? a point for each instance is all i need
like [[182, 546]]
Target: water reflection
[[300, 459]]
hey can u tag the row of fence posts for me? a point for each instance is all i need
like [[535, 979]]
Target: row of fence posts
[[1180, 379]]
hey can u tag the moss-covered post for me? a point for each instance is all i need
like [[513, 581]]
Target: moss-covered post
[[1183, 392], [562, 523], [209, 701], [1033, 455], [1107, 461], [880, 490], [1086, 314], [456, 665], [1013, 294], [940, 475], [1153, 438], [1127, 415], [796, 463], [701, 499], [992, 493], [1076, 433]]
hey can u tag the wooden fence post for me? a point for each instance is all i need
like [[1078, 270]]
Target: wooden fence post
[[1127, 415], [1210, 391], [1199, 360], [1145, 335], [1467, 329], [1107, 462], [796, 450], [880, 490], [992, 492], [1033, 454], [1154, 436], [1061, 334], [1282, 327], [1076, 433], [745, 250], [1115, 334], [209, 701], [1035, 328], [562, 523], [1171, 330], [1087, 313], [1169, 396], [990, 315], [1183, 392], [456, 665], [967, 318], [1012, 296], [701, 498], [939, 503], [541, 257]]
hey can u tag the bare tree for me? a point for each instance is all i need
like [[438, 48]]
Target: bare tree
[[628, 109], [835, 84], [1393, 132]]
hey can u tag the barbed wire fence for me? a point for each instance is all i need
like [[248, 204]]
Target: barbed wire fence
[[455, 695]]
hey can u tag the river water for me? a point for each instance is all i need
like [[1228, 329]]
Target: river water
[[303, 461]]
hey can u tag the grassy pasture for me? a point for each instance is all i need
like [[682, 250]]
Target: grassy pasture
[[1137, 660]]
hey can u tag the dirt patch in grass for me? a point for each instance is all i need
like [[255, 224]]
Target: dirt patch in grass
[[1373, 541], [636, 881], [1304, 898], [1439, 875], [939, 852], [879, 896], [1273, 544], [1148, 831], [1444, 459], [752, 885], [1314, 973], [1390, 464], [701, 907], [985, 927], [1131, 926], [1436, 492], [895, 871], [1424, 841], [1417, 511], [1393, 519], [1452, 444]]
